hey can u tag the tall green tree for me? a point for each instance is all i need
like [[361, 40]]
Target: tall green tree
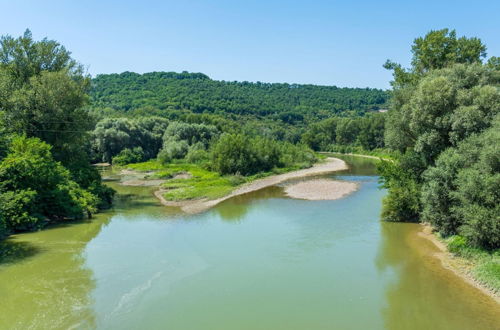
[[436, 50]]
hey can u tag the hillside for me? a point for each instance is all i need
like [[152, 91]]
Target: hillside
[[197, 93]]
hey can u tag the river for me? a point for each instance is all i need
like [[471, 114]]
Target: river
[[257, 261]]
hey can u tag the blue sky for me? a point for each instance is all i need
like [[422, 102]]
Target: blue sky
[[341, 43]]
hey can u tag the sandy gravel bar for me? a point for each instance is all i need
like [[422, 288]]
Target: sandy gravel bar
[[321, 189], [196, 206]]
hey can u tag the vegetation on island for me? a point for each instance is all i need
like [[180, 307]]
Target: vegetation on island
[[444, 124]]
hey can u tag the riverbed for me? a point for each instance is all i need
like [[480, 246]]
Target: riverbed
[[256, 261]]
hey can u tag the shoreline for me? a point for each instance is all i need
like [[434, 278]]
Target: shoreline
[[200, 205], [460, 267]]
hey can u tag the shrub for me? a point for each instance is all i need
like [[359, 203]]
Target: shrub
[[173, 149], [33, 187], [197, 154], [129, 156]]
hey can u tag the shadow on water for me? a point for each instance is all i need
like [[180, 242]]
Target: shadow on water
[[422, 294], [12, 251]]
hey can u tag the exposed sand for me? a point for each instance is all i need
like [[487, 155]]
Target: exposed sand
[[196, 206], [321, 189], [459, 266]]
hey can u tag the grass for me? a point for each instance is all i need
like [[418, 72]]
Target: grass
[[485, 264], [203, 183]]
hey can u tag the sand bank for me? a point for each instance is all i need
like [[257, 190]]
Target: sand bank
[[196, 206], [321, 189]]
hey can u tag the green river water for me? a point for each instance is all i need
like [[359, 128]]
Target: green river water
[[258, 261]]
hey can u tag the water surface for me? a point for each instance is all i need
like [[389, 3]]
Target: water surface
[[258, 261]]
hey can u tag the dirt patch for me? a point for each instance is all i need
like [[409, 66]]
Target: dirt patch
[[182, 176]]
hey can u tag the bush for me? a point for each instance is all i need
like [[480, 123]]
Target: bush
[[197, 154], [17, 210], [402, 202], [456, 244], [129, 156], [34, 187], [173, 149]]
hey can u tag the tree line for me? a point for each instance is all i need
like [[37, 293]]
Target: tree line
[[167, 92], [45, 172], [444, 122]]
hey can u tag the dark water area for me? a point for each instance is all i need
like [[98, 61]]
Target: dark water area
[[257, 261]]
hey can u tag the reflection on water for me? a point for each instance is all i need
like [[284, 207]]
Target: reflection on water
[[423, 294], [257, 261], [12, 251], [45, 284], [235, 209]]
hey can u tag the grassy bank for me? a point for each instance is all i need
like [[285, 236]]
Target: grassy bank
[[482, 265], [186, 181]]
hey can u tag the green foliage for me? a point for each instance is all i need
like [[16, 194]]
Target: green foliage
[[456, 244], [438, 49], [112, 135], [233, 154], [460, 193], [366, 132], [402, 202], [173, 149], [445, 122], [197, 154], [17, 210], [43, 92], [191, 133], [129, 156], [240, 154], [485, 264], [441, 48], [170, 92], [34, 187]]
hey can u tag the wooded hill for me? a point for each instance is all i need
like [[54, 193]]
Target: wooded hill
[[166, 92]]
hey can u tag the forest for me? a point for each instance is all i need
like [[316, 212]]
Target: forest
[[167, 93]]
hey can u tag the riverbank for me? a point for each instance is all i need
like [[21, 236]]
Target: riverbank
[[329, 165], [462, 267]]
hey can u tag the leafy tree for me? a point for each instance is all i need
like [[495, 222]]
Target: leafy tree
[[129, 156], [438, 49], [444, 121], [461, 191], [44, 91], [112, 135], [23, 58], [191, 133], [173, 149], [35, 187]]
